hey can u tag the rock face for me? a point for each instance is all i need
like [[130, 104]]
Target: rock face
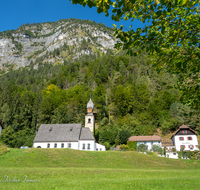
[[31, 41]]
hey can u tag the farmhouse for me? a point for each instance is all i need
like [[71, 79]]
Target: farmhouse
[[69, 135], [184, 138], [147, 140], [1, 127]]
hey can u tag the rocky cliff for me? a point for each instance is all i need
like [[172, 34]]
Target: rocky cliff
[[54, 42]]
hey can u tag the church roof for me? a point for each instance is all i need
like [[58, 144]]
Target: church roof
[[58, 133], [86, 134], [90, 104], [62, 133]]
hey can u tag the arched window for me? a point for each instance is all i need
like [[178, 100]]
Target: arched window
[[84, 146], [62, 145], [55, 145], [88, 147], [69, 145], [48, 145], [89, 120]]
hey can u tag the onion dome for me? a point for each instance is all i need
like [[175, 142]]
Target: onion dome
[[90, 104]]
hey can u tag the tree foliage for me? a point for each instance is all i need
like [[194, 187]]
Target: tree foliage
[[172, 36]]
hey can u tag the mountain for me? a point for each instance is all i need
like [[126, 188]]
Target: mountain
[[54, 42]]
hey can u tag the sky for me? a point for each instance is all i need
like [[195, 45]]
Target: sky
[[14, 13]]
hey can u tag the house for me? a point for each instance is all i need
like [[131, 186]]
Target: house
[[185, 138], [1, 127], [72, 136], [147, 140], [170, 153]]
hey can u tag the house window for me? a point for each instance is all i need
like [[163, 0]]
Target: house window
[[96, 149], [189, 138], [69, 145], [190, 146], [145, 142], [55, 145], [48, 145], [169, 148], [83, 147], [89, 120], [182, 146], [151, 143], [88, 147], [174, 153], [181, 138], [62, 145], [184, 131]]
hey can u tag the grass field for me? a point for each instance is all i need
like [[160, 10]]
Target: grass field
[[72, 169]]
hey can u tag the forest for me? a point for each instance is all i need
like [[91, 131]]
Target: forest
[[130, 98]]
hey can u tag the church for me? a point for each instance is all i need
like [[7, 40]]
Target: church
[[72, 136]]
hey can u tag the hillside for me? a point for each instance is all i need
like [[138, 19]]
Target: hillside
[[76, 62], [86, 159], [53, 42]]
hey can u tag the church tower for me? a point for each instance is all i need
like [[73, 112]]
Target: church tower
[[89, 118]]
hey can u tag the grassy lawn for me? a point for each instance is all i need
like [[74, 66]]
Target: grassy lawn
[[71, 169]]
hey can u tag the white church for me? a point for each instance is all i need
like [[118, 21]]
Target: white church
[[72, 136]]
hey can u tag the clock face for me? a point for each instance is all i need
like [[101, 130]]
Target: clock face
[[89, 110]]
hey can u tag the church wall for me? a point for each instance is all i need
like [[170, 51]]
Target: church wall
[[74, 145], [86, 142]]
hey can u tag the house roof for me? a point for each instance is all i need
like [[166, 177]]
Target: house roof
[[145, 138], [58, 133], [183, 127], [1, 124], [166, 142], [86, 134]]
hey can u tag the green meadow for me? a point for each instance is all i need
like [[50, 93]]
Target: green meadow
[[73, 169]]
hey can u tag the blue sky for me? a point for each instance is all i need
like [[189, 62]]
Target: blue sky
[[14, 13]]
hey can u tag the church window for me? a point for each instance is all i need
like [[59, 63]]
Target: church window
[[48, 145], [89, 120], [62, 145], [55, 145], [88, 147], [69, 145], [83, 146]]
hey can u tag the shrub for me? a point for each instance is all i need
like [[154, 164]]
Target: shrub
[[132, 145], [142, 147], [3, 149], [124, 147]]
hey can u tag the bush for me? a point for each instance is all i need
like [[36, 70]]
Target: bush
[[132, 145], [3, 149], [123, 147], [142, 147]]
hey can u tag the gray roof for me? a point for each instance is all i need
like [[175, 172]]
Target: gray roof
[[58, 133], [90, 104], [86, 134]]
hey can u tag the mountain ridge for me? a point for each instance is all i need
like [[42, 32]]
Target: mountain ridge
[[31, 41]]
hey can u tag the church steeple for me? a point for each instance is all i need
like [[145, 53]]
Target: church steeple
[[90, 107], [89, 118]]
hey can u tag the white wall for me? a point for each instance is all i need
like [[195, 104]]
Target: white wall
[[86, 142], [74, 145], [172, 155], [186, 142], [100, 147], [150, 144]]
